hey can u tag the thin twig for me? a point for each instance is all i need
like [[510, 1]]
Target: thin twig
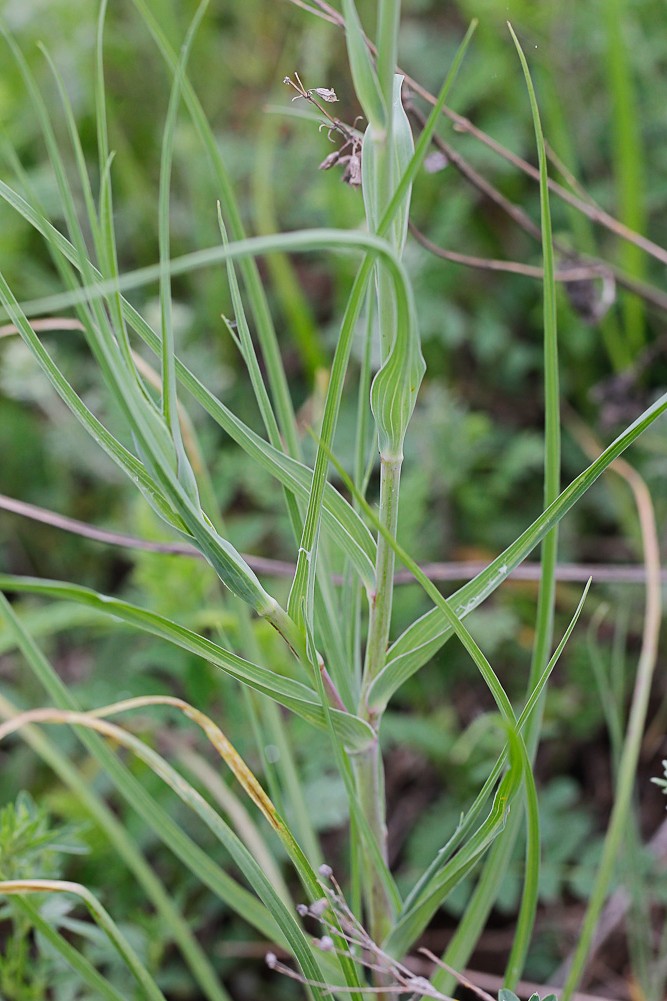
[[464, 125], [571, 274], [475, 179], [45, 324], [652, 295], [449, 571]]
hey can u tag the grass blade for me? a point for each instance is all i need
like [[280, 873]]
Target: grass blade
[[101, 917], [424, 637], [75, 960], [364, 77], [292, 694], [126, 850]]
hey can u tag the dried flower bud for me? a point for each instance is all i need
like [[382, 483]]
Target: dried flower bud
[[302, 910], [319, 907], [271, 959], [330, 161], [352, 173], [326, 943], [324, 93], [325, 871]]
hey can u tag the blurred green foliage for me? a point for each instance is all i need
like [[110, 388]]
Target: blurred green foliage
[[473, 456]]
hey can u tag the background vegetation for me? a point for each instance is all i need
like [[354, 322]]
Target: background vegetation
[[472, 478]]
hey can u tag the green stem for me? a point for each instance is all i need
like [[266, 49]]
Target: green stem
[[381, 600], [369, 774], [369, 766]]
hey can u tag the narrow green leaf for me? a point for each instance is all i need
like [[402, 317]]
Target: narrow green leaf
[[349, 531], [75, 960], [365, 79], [185, 472], [356, 812], [248, 865], [423, 638], [147, 807], [154, 441], [289, 693], [423, 143], [126, 850], [420, 908], [547, 592], [246, 346], [101, 917], [353, 531], [486, 890], [256, 295], [133, 468], [376, 198]]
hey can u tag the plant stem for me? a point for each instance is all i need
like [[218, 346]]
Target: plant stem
[[369, 774], [369, 767], [381, 601]]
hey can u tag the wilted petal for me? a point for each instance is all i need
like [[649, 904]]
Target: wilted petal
[[352, 175], [330, 161], [324, 93]]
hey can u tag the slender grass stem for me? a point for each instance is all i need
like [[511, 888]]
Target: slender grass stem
[[369, 766], [369, 774], [381, 601]]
